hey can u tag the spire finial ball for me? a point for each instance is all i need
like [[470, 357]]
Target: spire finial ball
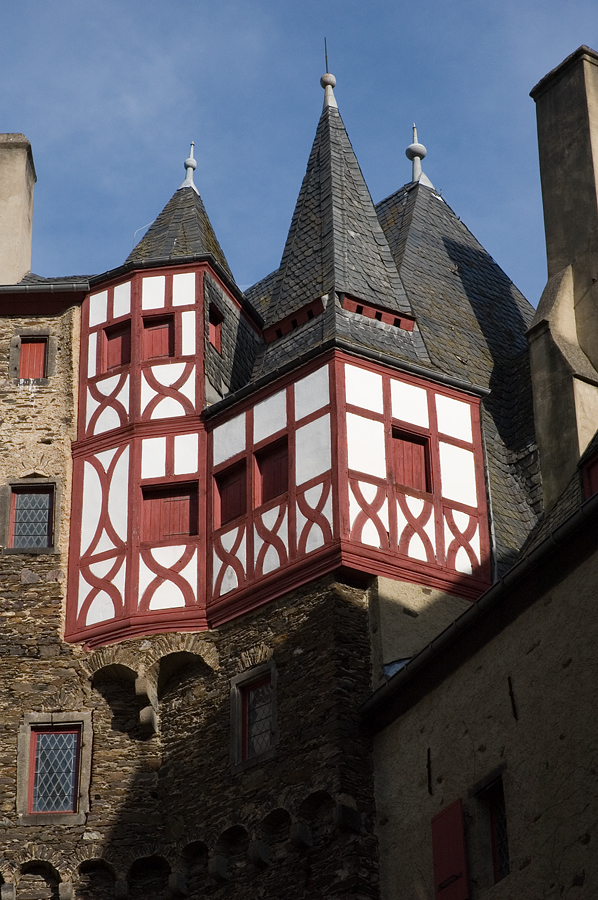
[[190, 163], [328, 79], [414, 150]]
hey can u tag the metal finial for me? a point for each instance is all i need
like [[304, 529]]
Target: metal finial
[[416, 152], [190, 166], [326, 54]]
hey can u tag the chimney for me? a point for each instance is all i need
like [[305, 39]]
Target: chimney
[[17, 178], [563, 338]]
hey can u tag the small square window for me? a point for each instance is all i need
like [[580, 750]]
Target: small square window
[[411, 458], [273, 471], [31, 518], [215, 320], [169, 512], [257, 718], [231, 494], [32, 358], [118, 345], [158, 337], [54, 761]]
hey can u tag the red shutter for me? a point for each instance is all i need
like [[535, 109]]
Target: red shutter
[[158, 337], [32, 359], [232, 492], [448, 847], [118, 345], [169, 512], [411, 461], [215, 328], [273, 467]]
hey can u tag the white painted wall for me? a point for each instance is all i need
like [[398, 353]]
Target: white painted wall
[[229, 439], [409, 403], [363, 388], [365, 445], [312, 449], [312, 393]]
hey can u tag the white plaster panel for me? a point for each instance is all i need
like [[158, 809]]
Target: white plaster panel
[[311, 393], [122, 299], [271, 560], [454, 417], [457, 474], [153, 457], [101, 568], [315, 538], [152, 292], [118, 580], [147, 393], [189, 573], [168, 408], [105, 457], [363, 388], [168, 556], [100, 609], [188, 387], [313, 494], [123, 395], [401, 523], [229, 439], [430, 529], [183, 289], [463, 562], [145, 577], [416, 548], [92, 354], [107, 420], [98, 308], [257, 545], [185, 454], [369, 534], [269, 416], [365, 444], [119, 488], [475, 544], [107, 385], [91, 406], [409, 403], [84, 589], [415, 505], [461, 520], [92, 505], [167, 596], [269, 517], [169, 373], [312, 449], [355, 508], [229, 582], [188, 331], [104, 543]]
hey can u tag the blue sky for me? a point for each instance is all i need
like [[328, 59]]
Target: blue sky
[[111, 93]]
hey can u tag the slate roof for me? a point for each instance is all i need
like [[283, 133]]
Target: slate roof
[[182, 229], [31, 278]]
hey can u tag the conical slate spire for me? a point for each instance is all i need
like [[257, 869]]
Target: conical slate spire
[[335, 242], [182, 228]]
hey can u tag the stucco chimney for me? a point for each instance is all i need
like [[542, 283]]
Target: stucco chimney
[[564, 335], [17, 179]]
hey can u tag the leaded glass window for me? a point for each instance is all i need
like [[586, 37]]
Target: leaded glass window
[[31, 526], [55, 756], [257, 715]]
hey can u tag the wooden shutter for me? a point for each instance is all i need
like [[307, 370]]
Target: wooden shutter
[[232, 493], [118, 345], [448, 848], [273, 465], [169, 512], [215, 328], [411, 461], [158, 337], [32, 359]]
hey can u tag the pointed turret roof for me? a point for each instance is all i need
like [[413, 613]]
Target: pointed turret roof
[[335, 242], [182, 228]]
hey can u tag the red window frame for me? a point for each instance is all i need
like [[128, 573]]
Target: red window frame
[[272, 471], [411, 460], [117, 346], [35, 733], [32, 358], [20, 491], [215, 320], [158, 337], [230, 494], [246, 691], [165, 510]]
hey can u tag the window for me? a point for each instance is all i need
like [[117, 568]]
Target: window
[[253, 715], [31, 518], [448, 849], [118, 345], [231, 494], [54, 761], [272, 471], [169, 512], [32, 358], [215, 320], [590, 477], [411, 457], [494, 800], [158, 337]]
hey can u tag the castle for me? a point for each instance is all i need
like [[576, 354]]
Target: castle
[[297, 583]]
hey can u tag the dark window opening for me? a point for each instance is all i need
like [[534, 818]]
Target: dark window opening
[[215, 320], [31, 518], [397, 323], [494, 799], [310, 314], [158, 337], [32, 358], [257, 718], [378, 316], [278, 332], [54, 771], [411, 458], [118, 345], [273, 471], [231, 494], [590, 478], [169, 512]]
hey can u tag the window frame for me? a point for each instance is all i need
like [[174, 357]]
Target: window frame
[[44, 722], [149, 322], [260, 456], [240, 687], [17, 490], [240, 464], [123, 326], [14, 363], [164, 488], [422, 439], [6, 504], [215, 320], [35, 732]]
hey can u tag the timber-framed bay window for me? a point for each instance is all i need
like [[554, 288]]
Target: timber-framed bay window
[[53, 768]]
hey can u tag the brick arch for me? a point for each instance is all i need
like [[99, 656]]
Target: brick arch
[[41, 853], [110, 656], [167, 644], [143, 851], [94, 853]]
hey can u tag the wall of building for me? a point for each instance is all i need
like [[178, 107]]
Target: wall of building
[[542, 740]]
